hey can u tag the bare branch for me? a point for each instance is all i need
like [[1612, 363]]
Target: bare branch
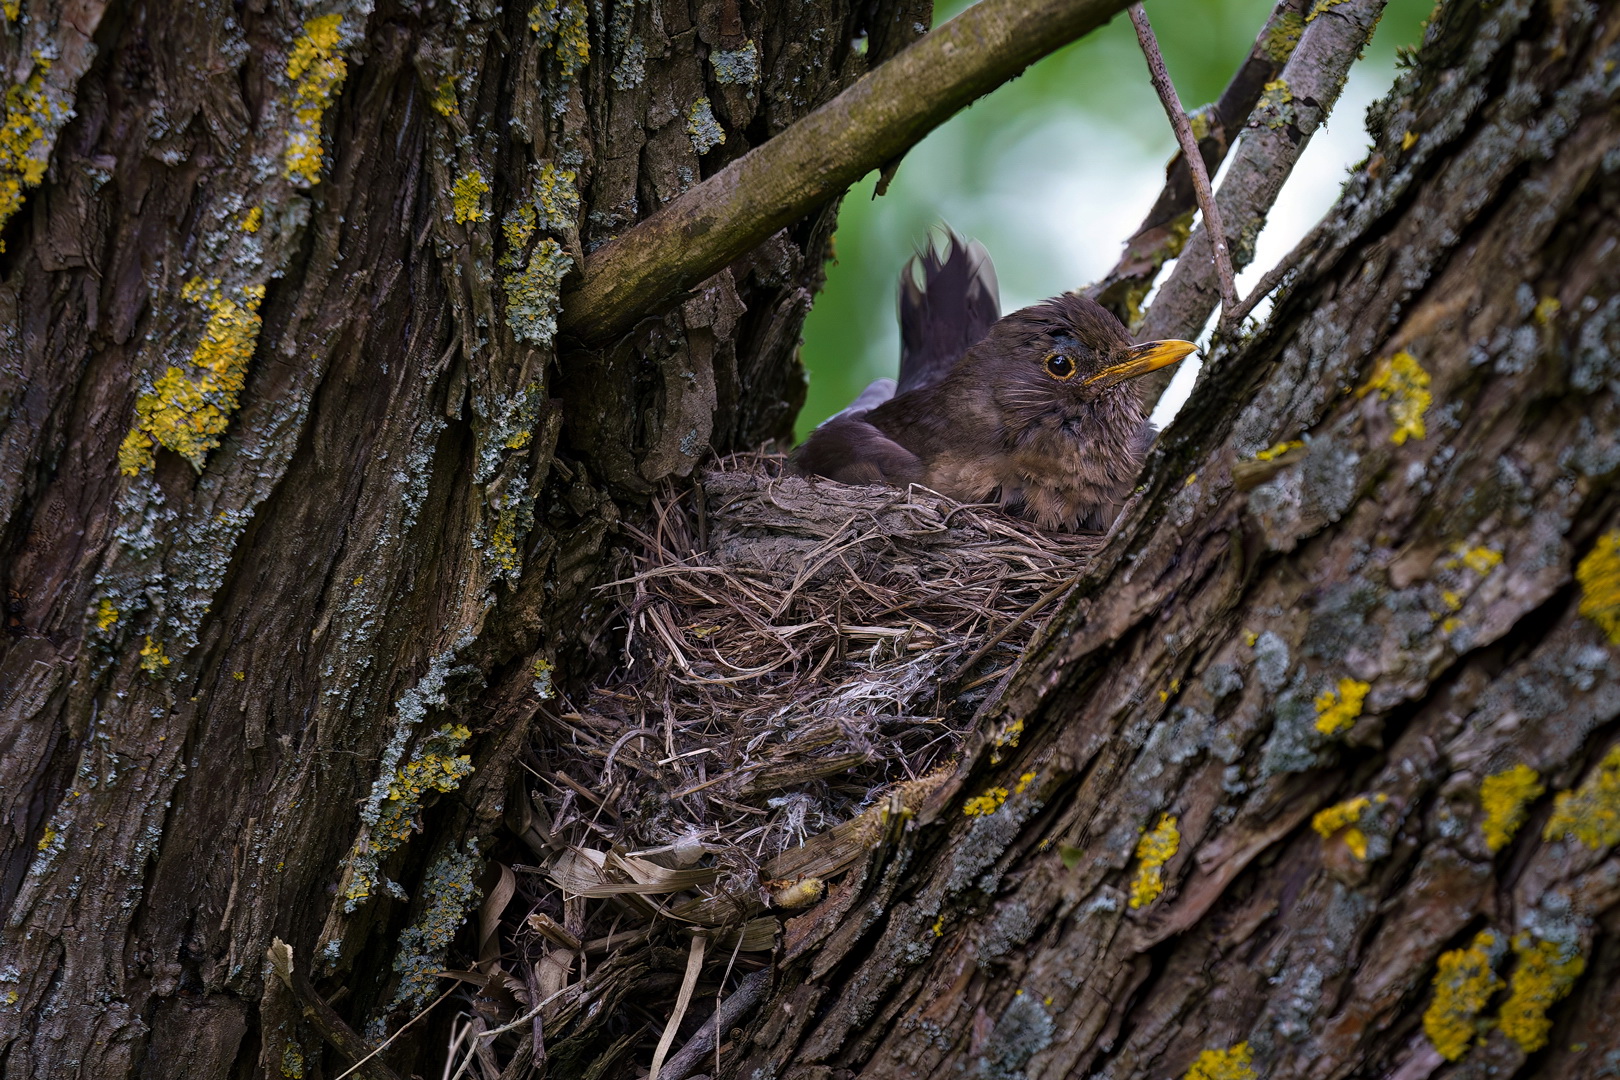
[[874, 121], [1189, 151], [1291, 110], [1164, 230]]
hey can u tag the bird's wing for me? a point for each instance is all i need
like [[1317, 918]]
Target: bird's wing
[[876, 393], [852, 451], [948, 301]]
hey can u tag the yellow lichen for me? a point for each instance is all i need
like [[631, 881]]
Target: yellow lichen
[[1279, 450], [444, 97], [1280, 40], [1505, 797], [1401, 381], [561, 27], [239, 675], [153, 659], [106, 615], [1547, 308], [1234, 1063], [1480, 559], [436, 767], [1023, 782], [11, 9], [316, 70], [1599, 576], [988, 803], [252, 220], [1006, 736], [503, 542], [1336, 710], [1321, 6], [1409, 140], [46, 839], [466, 197], [1590, 813], [1544, 973], [1157, 847], [1463, 984], [31, 118], [1345, 817], [187, 412]]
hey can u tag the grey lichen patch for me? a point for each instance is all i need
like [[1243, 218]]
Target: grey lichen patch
[[702, 128], [1292, 745], [1024, 1030], [736, 67], [1012, 925], [533, 294], [1271, 660], [448, 891], [628, 52]]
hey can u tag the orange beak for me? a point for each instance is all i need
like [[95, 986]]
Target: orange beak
[[1143, 358]]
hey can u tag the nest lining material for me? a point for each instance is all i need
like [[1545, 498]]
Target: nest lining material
[[799, 654]]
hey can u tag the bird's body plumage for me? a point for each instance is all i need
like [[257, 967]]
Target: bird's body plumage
[[1036, 411]]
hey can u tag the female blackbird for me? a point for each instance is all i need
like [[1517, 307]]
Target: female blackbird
[[1036, 411]]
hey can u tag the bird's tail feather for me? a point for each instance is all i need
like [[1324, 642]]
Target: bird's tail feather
[[948, 300]]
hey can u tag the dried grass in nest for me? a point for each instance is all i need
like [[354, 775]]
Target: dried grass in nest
[[798, 655]]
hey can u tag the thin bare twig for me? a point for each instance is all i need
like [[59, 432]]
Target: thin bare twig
[[1189, 152]]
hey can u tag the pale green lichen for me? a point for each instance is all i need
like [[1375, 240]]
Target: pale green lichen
[[316, 70], [533, 294], [702, 128], [1591, 813], [736, 67], [1505, 798], [556, 199], [1282, 37], [1543, 974], [467, 197], [1276, 105], [434, 767], [561, 27], [1463, 983], [1337, 710], [448, 891], [1402, 382], [1156, 847], [543, 671], [1233, 1063], [33, 114], [188, 410], [1599, 578]]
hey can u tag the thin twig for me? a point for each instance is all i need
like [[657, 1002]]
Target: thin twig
[[1189, 152], [1273, 277], [384, 1044]]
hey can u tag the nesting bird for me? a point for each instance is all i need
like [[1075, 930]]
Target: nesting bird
[[1037, 411]]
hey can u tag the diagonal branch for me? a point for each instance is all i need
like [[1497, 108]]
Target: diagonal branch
[[1291, 110], [1164, 231], [1189, 150], [874, 121]]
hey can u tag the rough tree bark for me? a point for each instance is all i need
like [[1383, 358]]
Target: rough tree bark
[[1316, 773], [300, 504]]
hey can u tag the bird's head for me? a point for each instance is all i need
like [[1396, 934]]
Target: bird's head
[[1066, 362]]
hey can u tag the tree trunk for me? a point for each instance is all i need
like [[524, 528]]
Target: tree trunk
[[302, 515], [1315, 773], [299, 508]]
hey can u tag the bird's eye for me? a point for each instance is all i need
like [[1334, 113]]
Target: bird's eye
[[1060, 367]]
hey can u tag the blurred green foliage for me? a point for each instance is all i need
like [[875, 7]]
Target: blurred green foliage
[[1052, 172]]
